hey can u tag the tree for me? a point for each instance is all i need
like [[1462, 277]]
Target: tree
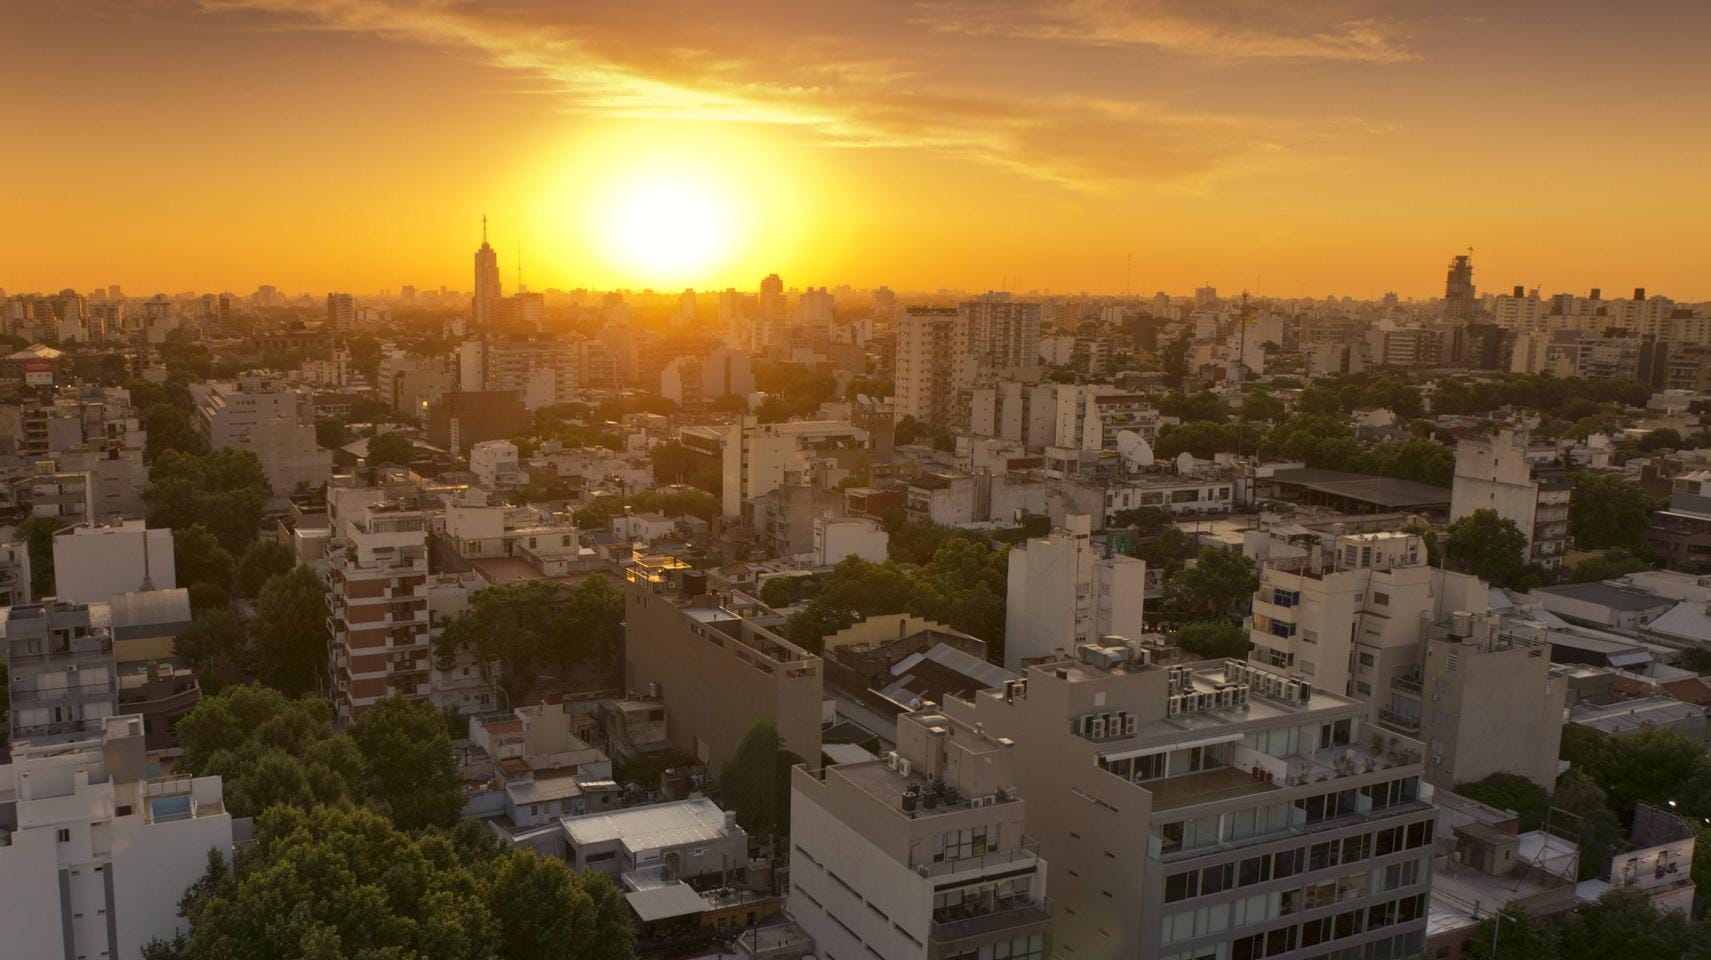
[[270, 750], [1609, 511], [780, 591], [963, 587], [755, 781], [1519, 936], [909, 430], [1146, 521], [1662, 439], [1174, 358], [226, 490], [392, 447], [1491, 548], [1417, 459], [1214, 640], [535, 628], [365, 357], [290, 631], [1219, 584], [1205, 439], [334, 883], [330, 432], [169, 428], [1589, 815], [408, 752], [37, 534], [1654, 766], [263, 560], [200, 559], [1609, 565], [214, 644], [1622, 923], [1509, 791], [1203, 406]]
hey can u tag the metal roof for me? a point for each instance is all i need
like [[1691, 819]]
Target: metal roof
[[652, 827], [662, 903], [1608, 595], [1383, 491]]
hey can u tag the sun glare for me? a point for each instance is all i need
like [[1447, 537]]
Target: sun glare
[[666, 225]]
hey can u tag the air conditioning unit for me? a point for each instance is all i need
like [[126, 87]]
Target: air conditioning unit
[[1173, 706], [903, 766], [1098, 728], [977, 801], [891, 759], [1128, 726], [1207, 700]]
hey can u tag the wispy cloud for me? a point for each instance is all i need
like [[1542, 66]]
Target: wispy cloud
[[1225, 30], [845, 93]]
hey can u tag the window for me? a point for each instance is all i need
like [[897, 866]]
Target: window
[[1366, 660], [1364, 689], [1382, 599], [1214, 879], [1181, 886], [1254, 870], [64, 835]]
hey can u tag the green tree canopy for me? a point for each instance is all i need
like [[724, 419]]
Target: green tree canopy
[[755, 781], [1491, 548], [169, 428], [215, 644], [1213, 639], [536, 628], [391, 447], [408, 751], [335, 883], [37, 534], [270, 749], [262, 560], [225, 490], [290, 631], [200, 559], [1510, 791], [1609, 565], [1219, 584], [1609, 511]]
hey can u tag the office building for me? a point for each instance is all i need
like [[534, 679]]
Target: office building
[[94, 852], [922, 854], [93, 562], [700, 658], [377, 605], [1528, 485], [1063, 592], [1212, 810]]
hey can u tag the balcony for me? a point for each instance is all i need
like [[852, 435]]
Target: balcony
[[1007, 915], [1408, 683], [1022, 855], [1396, 721]]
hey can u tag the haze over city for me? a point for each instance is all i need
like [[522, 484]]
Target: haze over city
[[1289, 149]]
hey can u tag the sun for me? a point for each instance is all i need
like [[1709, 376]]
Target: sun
[[667, 224]]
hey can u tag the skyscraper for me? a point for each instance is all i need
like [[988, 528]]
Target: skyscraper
[[486, 305], [1459, 302], [770, 323]]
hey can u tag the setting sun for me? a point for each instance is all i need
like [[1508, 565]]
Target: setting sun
[[666, 224]]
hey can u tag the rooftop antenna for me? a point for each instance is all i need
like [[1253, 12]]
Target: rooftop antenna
[[484, 229]]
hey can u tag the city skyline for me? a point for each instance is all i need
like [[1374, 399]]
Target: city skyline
[[1345, 149]]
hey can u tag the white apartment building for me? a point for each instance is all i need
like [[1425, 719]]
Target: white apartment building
[[541, 371], [1212, 810], [1003, 337], [921, 854], [494, 463], [1525, 484], [1061, 593], [932, 365], [95, 854], [761, 457], [411, 383], [93, 562], [273, 422], [836, 538]]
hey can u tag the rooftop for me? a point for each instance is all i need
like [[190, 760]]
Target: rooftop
[[1381, 491], [653, 826], [1608, 595]]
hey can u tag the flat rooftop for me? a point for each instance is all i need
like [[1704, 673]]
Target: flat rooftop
[[1380, 491], [653, 826], [1207, 786]]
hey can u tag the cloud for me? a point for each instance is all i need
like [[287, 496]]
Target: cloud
[[1239, 30], [830, 82]]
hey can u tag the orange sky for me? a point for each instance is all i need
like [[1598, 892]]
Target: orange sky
[[1313, 147]]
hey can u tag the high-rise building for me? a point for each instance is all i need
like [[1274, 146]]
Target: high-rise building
[[1003, 336], [62, 675], [1459, 301], [341, 311], [1526, 484], [377, 602], [769, 325], [270, 420], [932, 352], [1061, 592], [485, 306]]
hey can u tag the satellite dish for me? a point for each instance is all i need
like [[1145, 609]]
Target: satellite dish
[[1184, 462], [1135, 450], [864, 400]]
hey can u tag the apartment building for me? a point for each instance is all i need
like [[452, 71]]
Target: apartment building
[[931, 365], [687, 650], [757, 458], [541, 372], [270, 420], [1062, 592], [920, 855], [1485, 700], [1003, 336], [1213, 810], [411, 383], [377, 605], [1526, 484], [94, 561], [61, 672], [94, 852], [1107, 415]]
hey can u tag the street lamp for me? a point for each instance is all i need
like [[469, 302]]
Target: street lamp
[[1496, 927]]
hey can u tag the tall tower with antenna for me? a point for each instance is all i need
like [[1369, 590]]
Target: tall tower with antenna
[[484, 307]]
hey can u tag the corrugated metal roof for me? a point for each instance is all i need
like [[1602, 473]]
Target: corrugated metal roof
[[651, 827]]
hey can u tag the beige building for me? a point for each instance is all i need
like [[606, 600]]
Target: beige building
[[932, 365], [1212, 810], [1525, 484], [920, 854], [377, 604], [716, 672]]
